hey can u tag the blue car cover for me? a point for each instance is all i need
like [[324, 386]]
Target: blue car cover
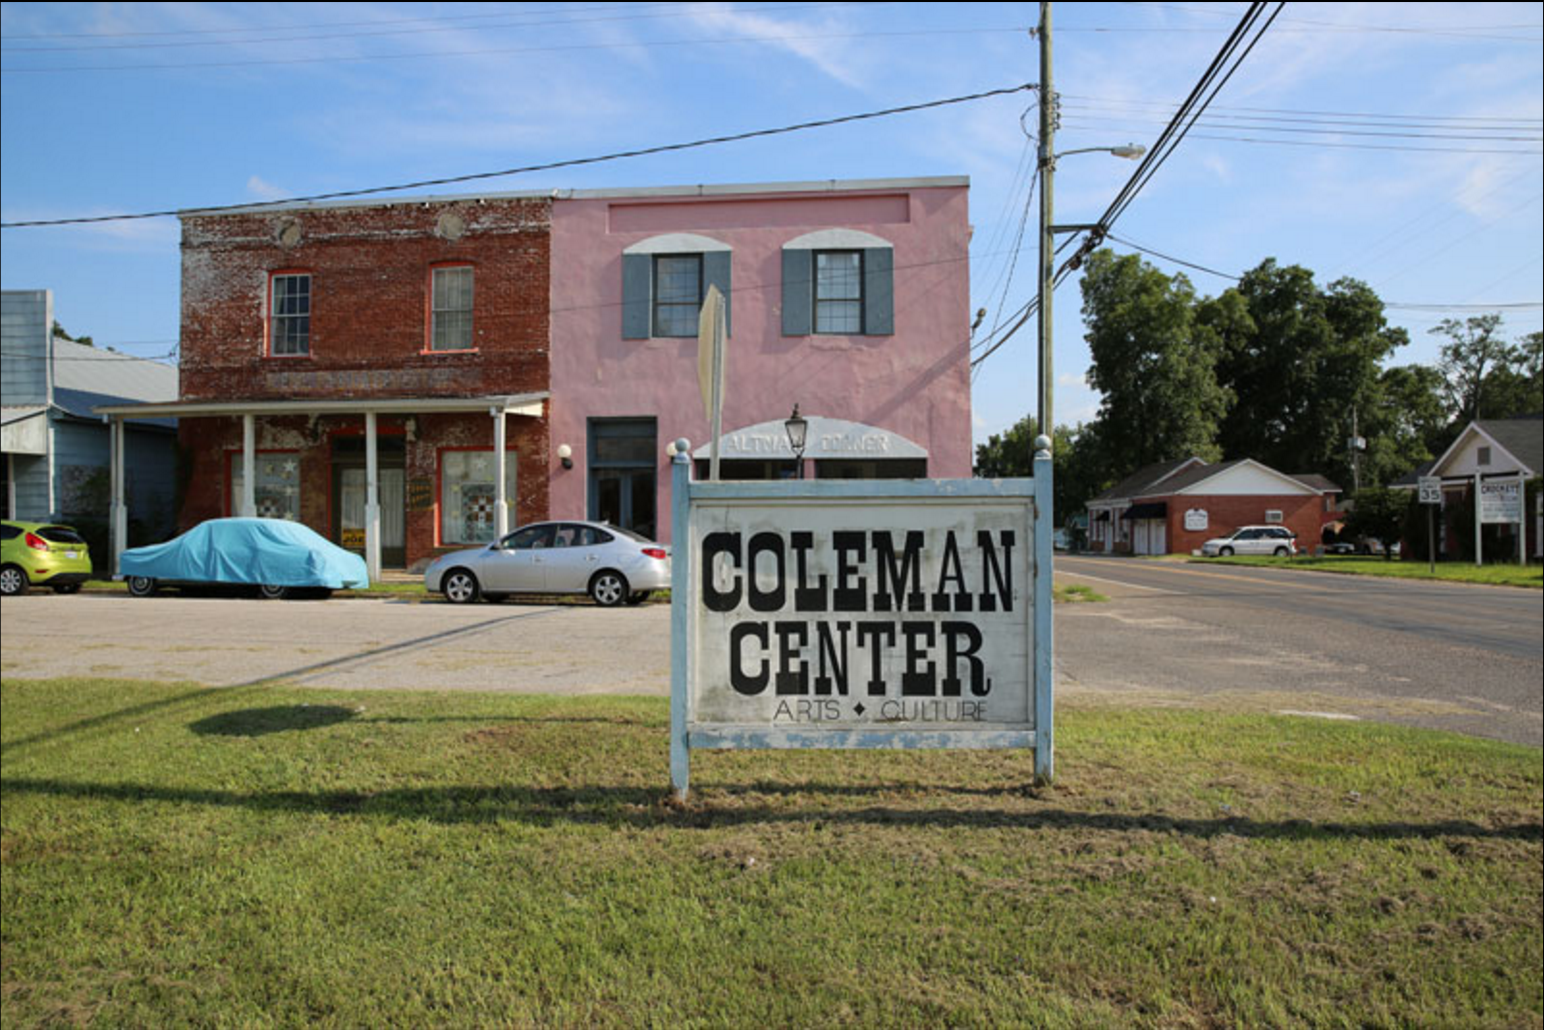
[[260, 551]]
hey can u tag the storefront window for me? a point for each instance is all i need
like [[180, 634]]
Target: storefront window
[[277, 485], [468, 495]]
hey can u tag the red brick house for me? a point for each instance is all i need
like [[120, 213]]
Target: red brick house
[[1174, 507], [378, 371]]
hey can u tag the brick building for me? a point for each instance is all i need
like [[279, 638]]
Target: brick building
[[350, 355], [1174, 507], [378, 371]]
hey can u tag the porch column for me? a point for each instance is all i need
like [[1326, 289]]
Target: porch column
[[500, 476], [372, 501], [1479, 550], [248, 466], [1522, 521], [120, 511]]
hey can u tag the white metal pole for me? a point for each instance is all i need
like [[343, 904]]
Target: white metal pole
[[120, 512], [500, 477], [1522, 520], [372, 500], [248, 466], [1479, 557]]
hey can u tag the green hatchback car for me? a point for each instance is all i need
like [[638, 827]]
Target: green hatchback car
[[42, 554]]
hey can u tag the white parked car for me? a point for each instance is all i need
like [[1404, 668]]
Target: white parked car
[[612, 565], [1278, 540]]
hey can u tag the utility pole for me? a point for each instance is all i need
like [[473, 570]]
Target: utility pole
[[1047, 165]]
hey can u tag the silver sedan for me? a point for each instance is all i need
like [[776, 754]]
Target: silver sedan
[[612, 565]]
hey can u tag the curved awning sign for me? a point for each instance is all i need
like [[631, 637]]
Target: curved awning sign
[[827, 438]]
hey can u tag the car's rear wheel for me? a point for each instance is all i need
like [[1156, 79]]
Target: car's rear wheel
[[1281, 552], [609, 588], [272, 592], [1226, 552], [13, 581], [141, 586], [460, 587]]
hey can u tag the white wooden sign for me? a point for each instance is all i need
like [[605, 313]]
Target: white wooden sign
[[858, 614], [1501, 501], [1197, 520]]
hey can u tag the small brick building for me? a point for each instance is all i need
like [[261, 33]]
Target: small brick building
[[378, 371], [1174, 507]]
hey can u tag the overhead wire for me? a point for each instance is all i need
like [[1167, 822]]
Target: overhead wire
[[546, 166]]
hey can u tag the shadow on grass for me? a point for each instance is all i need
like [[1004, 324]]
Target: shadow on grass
[[255, 722], [647, 807]]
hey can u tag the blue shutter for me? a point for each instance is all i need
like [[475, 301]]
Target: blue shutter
[[715, 272], [879, 291], [798, 292], [637, 294]]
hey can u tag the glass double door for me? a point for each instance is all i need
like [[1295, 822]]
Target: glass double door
[[623, 480], [349, 490]]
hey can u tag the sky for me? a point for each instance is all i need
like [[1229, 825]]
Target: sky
[[1394, 144]]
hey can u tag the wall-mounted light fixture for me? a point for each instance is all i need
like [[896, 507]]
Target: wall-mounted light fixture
[[798, 428], [566, 456]]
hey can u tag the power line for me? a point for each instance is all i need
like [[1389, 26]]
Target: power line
[[563, 48], [1397, 305], [1219, 109], [549, 166], [427, 26]]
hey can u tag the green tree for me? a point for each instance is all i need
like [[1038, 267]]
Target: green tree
[[63, 334], [1302, 363], [1405, 423], [1075, 467], [1153, 361], [1380, 512], [1481, 368], [1514, 387]]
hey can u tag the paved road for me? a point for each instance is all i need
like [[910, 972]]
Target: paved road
[[350, 644], [1443, 656], [1447, 656]]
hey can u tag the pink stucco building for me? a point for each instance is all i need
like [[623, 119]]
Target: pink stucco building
[[849, 299]]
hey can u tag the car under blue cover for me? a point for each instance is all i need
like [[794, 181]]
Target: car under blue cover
[[272, 554]]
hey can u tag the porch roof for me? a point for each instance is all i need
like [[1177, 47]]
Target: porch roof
[[511, 404]]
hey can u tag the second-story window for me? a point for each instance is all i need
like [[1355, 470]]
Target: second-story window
[[677, 294], [289, 321], [839, 291], [450, 319]]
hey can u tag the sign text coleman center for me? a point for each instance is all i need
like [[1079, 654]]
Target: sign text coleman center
[[827, 614]]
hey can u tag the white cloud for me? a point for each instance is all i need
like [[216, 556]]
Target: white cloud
[[264, 190], [832, 57]]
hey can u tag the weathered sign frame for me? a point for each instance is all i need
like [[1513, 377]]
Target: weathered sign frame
[[687, 735]]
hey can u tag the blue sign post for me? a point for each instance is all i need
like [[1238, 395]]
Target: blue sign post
[[861, 614]]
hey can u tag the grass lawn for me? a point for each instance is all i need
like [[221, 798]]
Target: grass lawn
[[180, 856], [1074, 593], [1512, 575]]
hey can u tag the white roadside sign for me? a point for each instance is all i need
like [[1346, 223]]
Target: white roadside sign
[[1430, 489], [831, 614], [1501, 502]]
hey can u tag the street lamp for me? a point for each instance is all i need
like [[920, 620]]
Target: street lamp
[[1048, 230], [798, 428]]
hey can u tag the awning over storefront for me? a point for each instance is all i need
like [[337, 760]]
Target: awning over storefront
[[499, 407], [509, 404], [1147, 510], [826, 438]]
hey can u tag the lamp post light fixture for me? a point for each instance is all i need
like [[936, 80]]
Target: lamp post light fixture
[[566, 456], [798, 429]]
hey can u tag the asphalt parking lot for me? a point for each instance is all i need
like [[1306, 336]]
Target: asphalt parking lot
[[354, 644]]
